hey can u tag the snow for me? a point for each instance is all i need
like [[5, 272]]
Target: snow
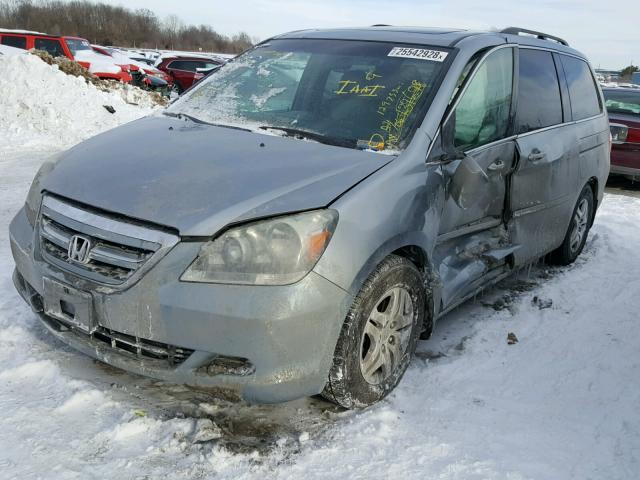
[[97, 63], [563, 402], [10, 51], [41, 105]]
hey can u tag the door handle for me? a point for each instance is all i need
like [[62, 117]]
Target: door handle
[[497, 165], [536, 155]]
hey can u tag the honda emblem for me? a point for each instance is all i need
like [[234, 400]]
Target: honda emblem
[[79, 249]]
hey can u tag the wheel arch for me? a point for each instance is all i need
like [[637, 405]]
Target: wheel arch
[[416, 249], [418, 256]]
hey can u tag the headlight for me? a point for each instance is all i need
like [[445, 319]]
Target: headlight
[[278, 251]]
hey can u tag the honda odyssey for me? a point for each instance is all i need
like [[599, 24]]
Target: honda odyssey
[[293, 224]]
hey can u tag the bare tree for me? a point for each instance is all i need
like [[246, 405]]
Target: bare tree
[[116, 25]]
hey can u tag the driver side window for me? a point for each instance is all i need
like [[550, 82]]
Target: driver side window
[[482, 114]]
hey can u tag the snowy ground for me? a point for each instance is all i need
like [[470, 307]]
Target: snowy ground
[[563, 402]]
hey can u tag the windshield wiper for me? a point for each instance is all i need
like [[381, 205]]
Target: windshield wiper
[[197, 120], [187, 116], [318, 137]]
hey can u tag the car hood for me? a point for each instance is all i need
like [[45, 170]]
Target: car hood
[[198, 178]]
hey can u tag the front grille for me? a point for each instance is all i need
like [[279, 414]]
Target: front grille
[[117, 249], [142, 347], [106, 259]]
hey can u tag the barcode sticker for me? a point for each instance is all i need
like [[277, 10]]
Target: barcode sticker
[[419, 53]]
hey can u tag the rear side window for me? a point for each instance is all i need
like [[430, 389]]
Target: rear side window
[[49, 45], [14, 41], [188, 65], [206, 65], [585, 101], [539, 102], [623, 101]]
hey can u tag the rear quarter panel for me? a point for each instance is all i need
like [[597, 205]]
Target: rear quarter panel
[[594, 151]]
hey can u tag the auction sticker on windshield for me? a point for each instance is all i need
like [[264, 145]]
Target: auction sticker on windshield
[[419, 53]]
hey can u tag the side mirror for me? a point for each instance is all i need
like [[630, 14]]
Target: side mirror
[[468, 182]]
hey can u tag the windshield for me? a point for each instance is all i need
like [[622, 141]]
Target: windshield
[[349, 93], [621, 101], [76, 44]]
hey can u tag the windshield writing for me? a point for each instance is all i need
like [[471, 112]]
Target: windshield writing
[[352, 92]]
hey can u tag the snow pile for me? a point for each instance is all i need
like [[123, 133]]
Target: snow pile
[[42, 106]]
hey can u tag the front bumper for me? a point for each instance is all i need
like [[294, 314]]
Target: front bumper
[[286, 333]]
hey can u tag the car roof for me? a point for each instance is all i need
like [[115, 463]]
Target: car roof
[[21, 32], [32, 33], [439, 37]]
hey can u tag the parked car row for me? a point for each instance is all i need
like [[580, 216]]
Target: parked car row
[[73, 48], [142, 75], [170, 72]]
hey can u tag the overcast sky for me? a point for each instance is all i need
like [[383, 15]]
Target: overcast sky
[[606, 31]]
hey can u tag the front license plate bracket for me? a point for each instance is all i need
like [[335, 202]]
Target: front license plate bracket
[[69, 305]]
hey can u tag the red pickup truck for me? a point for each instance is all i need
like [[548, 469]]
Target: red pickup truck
[[74, 48]]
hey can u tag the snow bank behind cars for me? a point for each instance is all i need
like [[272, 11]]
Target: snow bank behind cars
[[40, 105]]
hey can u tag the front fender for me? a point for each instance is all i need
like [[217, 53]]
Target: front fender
[[397, 207]]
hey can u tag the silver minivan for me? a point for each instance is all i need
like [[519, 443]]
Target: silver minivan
[[294, 223]]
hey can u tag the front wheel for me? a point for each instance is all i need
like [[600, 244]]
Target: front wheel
[[578, 230], [379, 335]]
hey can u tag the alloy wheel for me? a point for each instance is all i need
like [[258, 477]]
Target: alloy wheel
[[386, 335], [580, 223]]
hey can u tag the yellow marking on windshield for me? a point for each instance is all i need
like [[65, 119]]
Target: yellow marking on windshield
[[352, 87], [405, 102], [371, 76], [376, 142]]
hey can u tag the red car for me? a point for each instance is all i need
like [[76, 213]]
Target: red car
[[623, 105], [183, 70], [74, 48]]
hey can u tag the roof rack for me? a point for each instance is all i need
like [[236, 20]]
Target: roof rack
[[381, 25], [540, 35]]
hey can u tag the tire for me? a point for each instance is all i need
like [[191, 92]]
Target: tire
[[578, 230], [374, 332]]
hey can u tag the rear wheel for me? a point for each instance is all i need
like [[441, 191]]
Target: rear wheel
[[379, 335], [578, 231]]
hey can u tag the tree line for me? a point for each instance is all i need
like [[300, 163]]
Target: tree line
[[115, 25]]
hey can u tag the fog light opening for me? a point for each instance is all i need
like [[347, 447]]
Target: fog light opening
[[223, 365]]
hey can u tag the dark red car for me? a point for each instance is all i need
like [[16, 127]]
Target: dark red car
[[623, 105], [184, 70]]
